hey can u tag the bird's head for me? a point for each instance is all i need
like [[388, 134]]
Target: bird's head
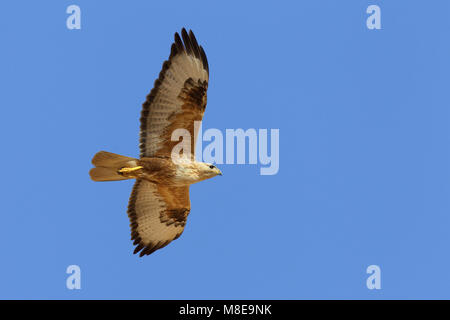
[[189, 172], [208, 170]]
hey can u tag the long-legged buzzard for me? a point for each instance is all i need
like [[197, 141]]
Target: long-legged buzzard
[[159, 203]]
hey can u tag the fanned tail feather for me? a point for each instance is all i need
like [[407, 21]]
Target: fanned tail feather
[[108, 164]]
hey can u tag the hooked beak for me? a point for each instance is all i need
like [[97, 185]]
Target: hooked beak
[[219, 173]]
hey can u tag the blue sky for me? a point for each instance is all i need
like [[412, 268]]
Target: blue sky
[[364, 150]]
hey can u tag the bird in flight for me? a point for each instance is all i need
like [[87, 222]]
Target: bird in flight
[[159, 203]]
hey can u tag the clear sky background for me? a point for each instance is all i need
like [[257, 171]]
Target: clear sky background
[[364, 149]]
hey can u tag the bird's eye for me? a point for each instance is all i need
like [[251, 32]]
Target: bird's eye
[[211, 167]]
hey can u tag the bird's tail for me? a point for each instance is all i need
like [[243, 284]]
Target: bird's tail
[[109, 166]]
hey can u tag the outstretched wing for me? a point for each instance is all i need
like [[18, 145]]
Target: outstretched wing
[[157, 215], [177, 99]]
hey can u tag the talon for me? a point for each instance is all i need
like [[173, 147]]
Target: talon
[[125, 171]]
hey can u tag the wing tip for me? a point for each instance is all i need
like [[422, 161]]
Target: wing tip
[[188, 44], [145, 250]]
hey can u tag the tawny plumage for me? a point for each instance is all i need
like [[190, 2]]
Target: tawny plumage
[[159, 202]]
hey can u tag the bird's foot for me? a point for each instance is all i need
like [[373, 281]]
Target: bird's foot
[[129, 171]]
